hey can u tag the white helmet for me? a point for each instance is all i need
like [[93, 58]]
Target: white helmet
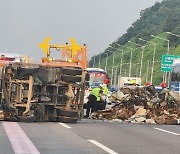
[[101, 85]]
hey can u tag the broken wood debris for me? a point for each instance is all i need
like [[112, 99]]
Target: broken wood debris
[[143, 105]]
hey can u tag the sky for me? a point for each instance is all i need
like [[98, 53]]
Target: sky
[[97, 23]]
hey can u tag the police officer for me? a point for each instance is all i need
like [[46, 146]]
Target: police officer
[[102, 103], [93, 100]]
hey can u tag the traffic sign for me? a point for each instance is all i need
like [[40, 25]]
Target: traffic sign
[[167, 61]]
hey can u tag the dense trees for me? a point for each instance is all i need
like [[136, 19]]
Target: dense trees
[[157, 20]]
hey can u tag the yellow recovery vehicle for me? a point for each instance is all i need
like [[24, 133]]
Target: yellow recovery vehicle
[[50, 91]]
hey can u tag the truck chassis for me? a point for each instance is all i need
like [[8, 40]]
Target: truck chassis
[[42, 93]]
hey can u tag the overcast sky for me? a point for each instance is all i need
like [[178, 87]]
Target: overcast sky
[[98, 23]]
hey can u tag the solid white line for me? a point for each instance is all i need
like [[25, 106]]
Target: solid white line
[[62, 124], [103, 147], [18, 152], [20, 141], [167, 131]]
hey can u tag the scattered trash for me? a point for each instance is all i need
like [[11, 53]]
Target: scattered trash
[[143, 105], [1, 115]]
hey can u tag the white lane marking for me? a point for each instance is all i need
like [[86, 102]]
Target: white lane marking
[[103, 147], [167, 131], [19, 140], [19, 152], [62, 124]]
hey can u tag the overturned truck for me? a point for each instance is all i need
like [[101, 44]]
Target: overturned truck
[[50, 91]]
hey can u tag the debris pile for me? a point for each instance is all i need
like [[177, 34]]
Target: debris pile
[[143, 105], [1, 115]]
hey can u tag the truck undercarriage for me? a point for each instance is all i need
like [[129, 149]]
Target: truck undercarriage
[[38, 93], [50, 91]]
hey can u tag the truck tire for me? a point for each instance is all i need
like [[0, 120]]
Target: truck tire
[[27, 71], [87, 77], [25, 118], [66, 119], [71, 79], [67, 113], [70, 71]]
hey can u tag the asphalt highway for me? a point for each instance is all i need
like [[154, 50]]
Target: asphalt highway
[[88, 136]]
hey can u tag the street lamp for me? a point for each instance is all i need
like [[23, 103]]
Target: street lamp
[[147, 71], [113, 62], [164, 40], [153, 57], [120, 69], [99, 60], [130, 63], [94, 62], [115, 76], [112, 47], [106, 61], [142, 54], [167, 51], [173, 34], [119, 45], [112, 72], [176, 36]]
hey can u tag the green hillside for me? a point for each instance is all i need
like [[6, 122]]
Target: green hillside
[[157, 20]]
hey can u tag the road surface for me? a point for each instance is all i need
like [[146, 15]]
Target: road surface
[[88, 136]]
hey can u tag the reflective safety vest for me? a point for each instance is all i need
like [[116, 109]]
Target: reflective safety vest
[[95, 92], [105, 90]]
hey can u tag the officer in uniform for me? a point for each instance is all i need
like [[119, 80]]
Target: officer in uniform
[[93, 100]]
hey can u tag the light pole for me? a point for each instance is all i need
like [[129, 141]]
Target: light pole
[[120, 70], [142, 54], [99, 60], [112, 47], [115, 76], [147, 71], [106, 61], [176, 36], [94, 62], [154, 53], [167, 52], [164, 40], [113, 55], [173, 34], [112, 72], [130, 62], [119, 45]]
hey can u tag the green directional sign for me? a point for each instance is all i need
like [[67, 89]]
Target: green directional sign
[[167, 61]]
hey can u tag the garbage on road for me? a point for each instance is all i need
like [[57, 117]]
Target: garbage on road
[[1, 115], [142, 105]]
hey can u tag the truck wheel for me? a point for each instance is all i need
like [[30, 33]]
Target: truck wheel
[[74, 71], [87, 77], [66, 119], [25, 118], [67, 113], [72, 79], [27, 70]]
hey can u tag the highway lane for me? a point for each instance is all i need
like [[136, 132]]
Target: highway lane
[[51, 138], [112, 137], [5, 145], [127, 138]]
